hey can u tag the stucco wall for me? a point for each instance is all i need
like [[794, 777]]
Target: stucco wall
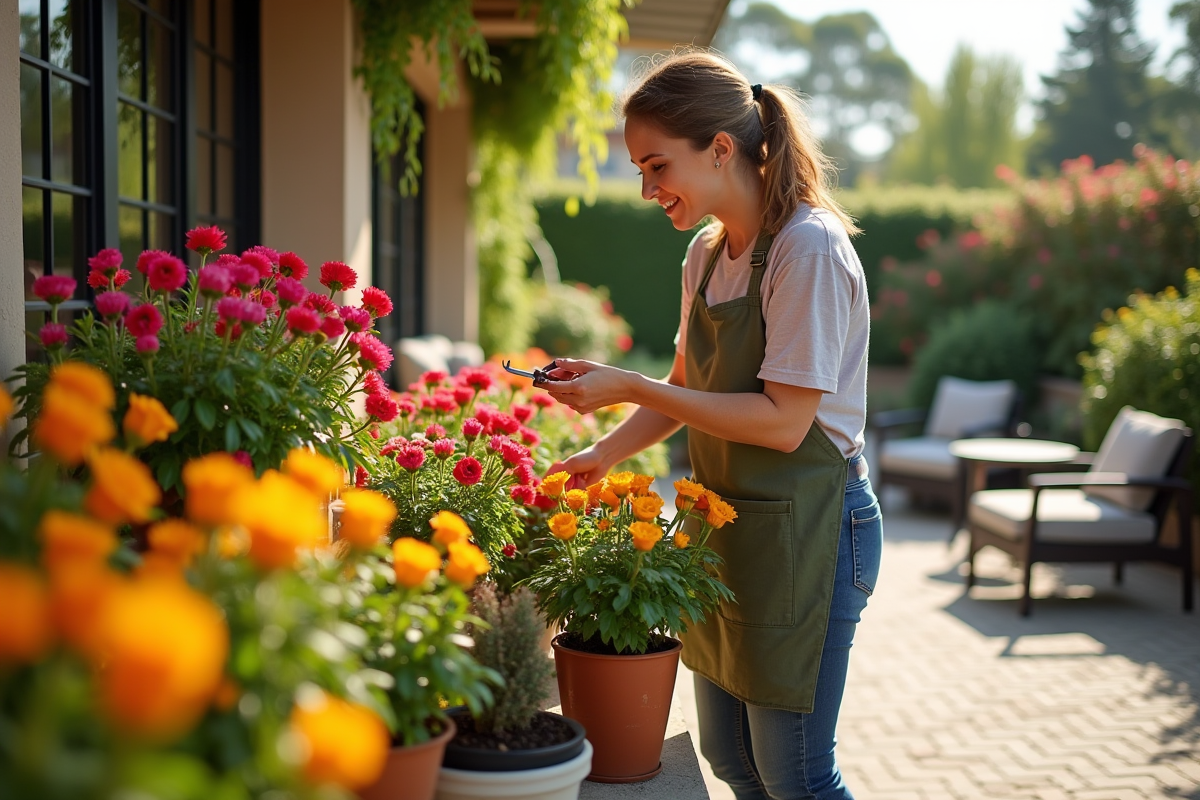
[[12, 286]]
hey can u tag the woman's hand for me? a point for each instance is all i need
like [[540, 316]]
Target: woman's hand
[[593, 385], [586, 467]]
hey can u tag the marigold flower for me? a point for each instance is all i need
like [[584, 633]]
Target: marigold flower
[[177, 539], [366, 516], [292, 266], [78, 592], [205, 240], [211, 483], [6, 406], [123, 489], [53, 335], [376, 302], [147, 420], [449, 527], [719, 512], [414, 560], [314, 471], [645, 535], [688, 489], [576, 499], [164, 647], [682, 540], [604, 524], [231, 542], [166, 274], [111, 305], [281, 516], [347, 744], [594, 492], [608, 496], [464, 563], [564, 525], [25, 631], [647, 508], [338, 276], [619, 483], [640, 484], [69, 426], [553, 485], [54, 289], [144, 320], [69, 538], [88, 382]]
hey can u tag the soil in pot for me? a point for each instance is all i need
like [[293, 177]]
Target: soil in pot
[[551, 739]]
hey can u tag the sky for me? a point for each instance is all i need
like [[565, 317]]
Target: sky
[[926, 32]]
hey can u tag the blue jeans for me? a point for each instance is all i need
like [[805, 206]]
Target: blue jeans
[[769, 754]]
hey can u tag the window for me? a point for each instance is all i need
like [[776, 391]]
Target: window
[[399, 250]]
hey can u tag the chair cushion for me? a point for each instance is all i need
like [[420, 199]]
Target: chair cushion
[[923, 456], [1066, 516], [961, 405], [1139, 444]]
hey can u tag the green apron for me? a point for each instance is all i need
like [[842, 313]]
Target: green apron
[[781, 553]]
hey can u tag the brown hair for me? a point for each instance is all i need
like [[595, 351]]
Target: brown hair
[[695, 94]]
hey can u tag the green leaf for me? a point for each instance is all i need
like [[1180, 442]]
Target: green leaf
[[622, 598], [167, 472], [206, 415], [233, 437], [181, 409], [225, 382], [251, 428]]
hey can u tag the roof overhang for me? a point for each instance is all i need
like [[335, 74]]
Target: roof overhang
[[653, 24]]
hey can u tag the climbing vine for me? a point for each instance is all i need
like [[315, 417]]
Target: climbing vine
[[525, 93]]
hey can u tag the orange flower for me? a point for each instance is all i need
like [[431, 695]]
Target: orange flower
[[281, 516], [160, 565], [6, 407], [163, 647], [212, 482], [414, 560], [68, 426], [719, 512], [365, 517], [178, 540], [647, 508], [620, 483], [645, 535], [78, 593], [88, 383], [608, 496], [347, 743], [123, 490], [553, 485], [682, 540], [688, 489], [641, 484], [231, 542], [147, 421], [68, 538], [317, 473], [564, 526], [577, 499], [25, 632], [603, 524], [449, 527], [464, 563]]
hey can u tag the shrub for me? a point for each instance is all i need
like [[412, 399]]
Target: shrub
[[1147, 356], [989, 341], [577, 321], [509, 642]]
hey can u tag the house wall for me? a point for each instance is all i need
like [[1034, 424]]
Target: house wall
[[12, 256]]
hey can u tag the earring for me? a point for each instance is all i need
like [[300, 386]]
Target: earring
[[717, 164]]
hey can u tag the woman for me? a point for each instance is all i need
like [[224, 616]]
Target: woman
[[770, 378]]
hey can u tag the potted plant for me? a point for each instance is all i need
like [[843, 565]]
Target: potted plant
[[620, 579]]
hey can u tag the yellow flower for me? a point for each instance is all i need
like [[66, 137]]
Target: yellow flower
[[682, 540], [449, 527], [414, 560], [553, 485], [645, 535], [641, 484], [347, 744], [464, 563], [231, 542], [365, 517], [25, 632], [281, 517], [78, 592], [147, 421], [162, 649], [647, 508], [6, 407], [577, 499], [176, 539], [123, 490], [564, 525], [719, 512], [212, 482], [68, 426], [87, 382], [317, 473], [619, 483], [68, 538], [688, 489]]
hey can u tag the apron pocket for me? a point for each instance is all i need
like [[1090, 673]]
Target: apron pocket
[[759, 568]]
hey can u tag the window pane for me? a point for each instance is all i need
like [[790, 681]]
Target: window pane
[[31, 121], [31, 26], [203, 91], [62, 128], [224, 32], [65, 21], [158, 63], [129, 225], [33, 231], [129, 50], [224, 181], [129, 151], [66, 232], [204, 195], [162, 231], [160, 160], [224, 100], [203, 22]]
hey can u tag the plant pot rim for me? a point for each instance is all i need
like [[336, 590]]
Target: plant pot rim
[[674, 648], [514, 783], [548, 755], [435, 741]]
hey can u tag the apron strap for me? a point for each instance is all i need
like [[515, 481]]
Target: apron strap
[[758, 262]]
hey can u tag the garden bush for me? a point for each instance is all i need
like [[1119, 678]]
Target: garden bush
[[577, 321]]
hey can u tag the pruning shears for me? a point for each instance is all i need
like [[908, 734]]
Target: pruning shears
[[538, 375]]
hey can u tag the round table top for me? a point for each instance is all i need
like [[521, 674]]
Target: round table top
[[1014, 451]]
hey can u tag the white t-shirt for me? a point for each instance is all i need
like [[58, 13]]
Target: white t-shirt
[[814, 301]]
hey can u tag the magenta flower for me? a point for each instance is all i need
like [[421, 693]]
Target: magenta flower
[[435, 432], [338, 276], [144, 320], [260, 262], [382, 407], [333, 327], [443, 448], [303, 321], [373, 354], [524, 495], [205, 240], [245, 276], [112, 305], [356, 319], [373, 384], [471, 428], [167, 274], [292, 265], [468, 471], [148, 257], [53, 335], [269, 253], [54, 289], [376, 302], [214, 281], [147, 345], [291, 292], [106, 262], [411, 457]]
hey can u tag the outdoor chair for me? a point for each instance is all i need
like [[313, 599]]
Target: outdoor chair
[[1115, 512], [923, 464]]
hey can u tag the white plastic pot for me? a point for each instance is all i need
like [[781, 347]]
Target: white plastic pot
[[559, 782]]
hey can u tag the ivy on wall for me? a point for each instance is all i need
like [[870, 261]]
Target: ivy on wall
[[526, 93]]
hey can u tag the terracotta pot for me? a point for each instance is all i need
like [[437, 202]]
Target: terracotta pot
[[623, 702], [411, 773]]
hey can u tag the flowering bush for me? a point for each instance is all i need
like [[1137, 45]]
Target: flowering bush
[[578, 321], [619, 573], [246, 359]]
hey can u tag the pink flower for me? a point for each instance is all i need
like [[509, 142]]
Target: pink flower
[[443, 448], [107, 261], [543, 400], [522, 412], [320, 303], [435, 432], [230, 308], [303, 321], [53, 335], [624, 342], [356, 319], [144, 320], [243, 458], [259, 262], [265, 298], [112, 305], [376, 302], [411, 457], [468, 471], [147, 345], [214, 281], [373, 383], [292, 265], [338, 276], [475, 377], [433, 377], [98, 280], [496, 442], [121, 278], [444, 401], [244, 276], [54, 289], [362, 478], [471, 428], [149, 256], [167, 274], [372, 353], [228, 261], [530, 437], [333, 327], [392, 445], [205, 240], [382, 407], [269, 253], [463, 395], [512, 452], [291, 292], [525, 475], [407, 407], [253, 313], [223, 327], [525, 495], [509, 550], [506, 423], [933, 278]]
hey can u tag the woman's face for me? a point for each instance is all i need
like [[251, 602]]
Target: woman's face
[[682, 180]]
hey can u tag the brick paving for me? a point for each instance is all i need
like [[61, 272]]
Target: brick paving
[[1094, 697]]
